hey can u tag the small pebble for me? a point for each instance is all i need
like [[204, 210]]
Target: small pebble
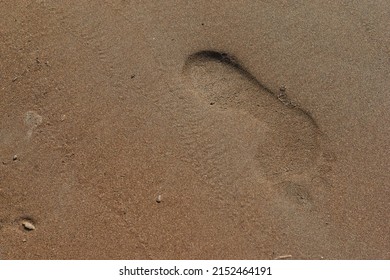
[[283, 257], [282, 88], [158, 200], [28, 226], [15, 157]]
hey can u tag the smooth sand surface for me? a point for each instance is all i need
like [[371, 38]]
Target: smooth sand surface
[[194, 129]]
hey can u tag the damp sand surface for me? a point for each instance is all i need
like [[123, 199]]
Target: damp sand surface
[[209, 130]]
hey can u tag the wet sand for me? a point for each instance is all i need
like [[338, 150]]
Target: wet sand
[[199, 130]]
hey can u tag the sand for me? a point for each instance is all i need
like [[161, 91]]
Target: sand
[[194, 129]]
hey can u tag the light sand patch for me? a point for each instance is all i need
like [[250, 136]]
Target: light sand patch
[[32, 120]]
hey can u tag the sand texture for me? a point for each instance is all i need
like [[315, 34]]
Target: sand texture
[[194, 129]]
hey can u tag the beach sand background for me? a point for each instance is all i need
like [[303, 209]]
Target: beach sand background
[[194, 129]]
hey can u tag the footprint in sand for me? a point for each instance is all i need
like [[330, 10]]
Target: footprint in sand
[[291, 148]]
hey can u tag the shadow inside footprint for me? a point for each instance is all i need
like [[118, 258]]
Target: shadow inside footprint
[[295, 193], [291, 142]]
